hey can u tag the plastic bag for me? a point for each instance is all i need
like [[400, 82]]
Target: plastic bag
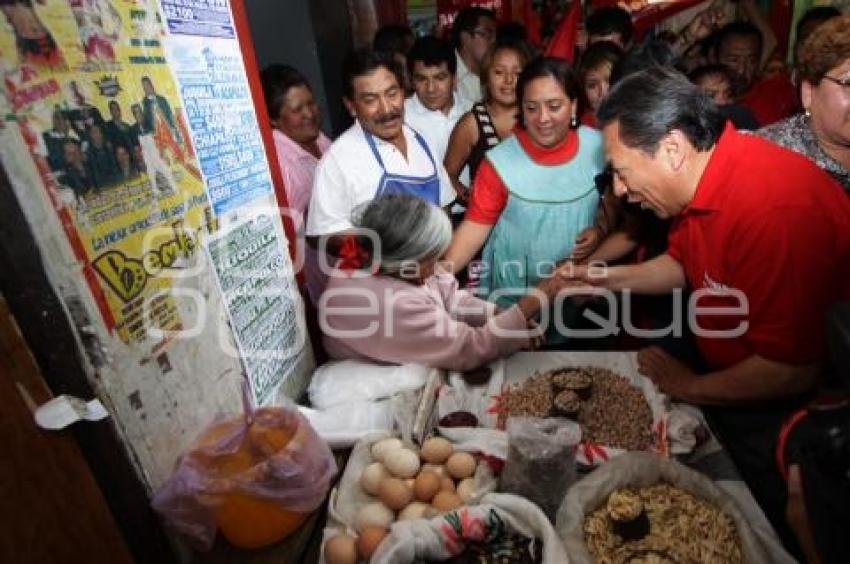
[[348, 381], [541, 460], [255, 481], [639, 469], [343, 425]]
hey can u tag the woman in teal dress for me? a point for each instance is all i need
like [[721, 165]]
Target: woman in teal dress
[[534, 201]]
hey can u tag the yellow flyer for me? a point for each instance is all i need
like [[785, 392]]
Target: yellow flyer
[[87, 83]]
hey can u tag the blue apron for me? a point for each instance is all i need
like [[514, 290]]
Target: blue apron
[[547, 207], [427, 188]]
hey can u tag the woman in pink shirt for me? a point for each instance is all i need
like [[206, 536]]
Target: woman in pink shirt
[[403, 308], [300, 144]]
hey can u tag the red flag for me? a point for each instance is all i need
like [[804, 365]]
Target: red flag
[[563, 43], [532, 23]]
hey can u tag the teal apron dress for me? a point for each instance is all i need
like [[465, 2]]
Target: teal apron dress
[[547, 207], [427, 188]]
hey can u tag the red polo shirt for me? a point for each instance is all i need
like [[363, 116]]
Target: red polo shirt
[[771, 224]]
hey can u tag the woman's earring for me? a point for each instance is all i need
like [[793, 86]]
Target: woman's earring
[[574, 121], [808, 113]]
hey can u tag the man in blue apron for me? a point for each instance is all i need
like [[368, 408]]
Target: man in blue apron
[[377, 155]]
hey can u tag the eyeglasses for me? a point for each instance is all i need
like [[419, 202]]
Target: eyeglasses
[[843, 82]]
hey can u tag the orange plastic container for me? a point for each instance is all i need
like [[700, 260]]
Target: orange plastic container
[[244, 518]]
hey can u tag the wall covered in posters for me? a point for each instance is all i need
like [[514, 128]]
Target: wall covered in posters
[[126, 171]]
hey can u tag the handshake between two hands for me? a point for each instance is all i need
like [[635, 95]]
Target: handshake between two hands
[[574, 280]]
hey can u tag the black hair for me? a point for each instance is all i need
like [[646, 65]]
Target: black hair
[[652, 53], [555, 67], [816, 14], [705, 71], [745, 29], [365, 61], [608, 20], [599, 53], [512, 30], [393, 38], [467, 20], [651, 103], [432, 52], [277, 80]]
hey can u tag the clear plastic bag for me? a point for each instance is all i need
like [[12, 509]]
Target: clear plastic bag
[[346, 381], [541, 460], [257, 479]]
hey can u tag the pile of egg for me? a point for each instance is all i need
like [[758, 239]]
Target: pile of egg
[[407, 486]]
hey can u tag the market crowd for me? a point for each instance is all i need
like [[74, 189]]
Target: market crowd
[[482, 185]]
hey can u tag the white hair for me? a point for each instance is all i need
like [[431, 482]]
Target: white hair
[[409, 229]]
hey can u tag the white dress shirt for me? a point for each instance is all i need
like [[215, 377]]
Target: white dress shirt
[[468, 83], [435, 126], [348, 176]]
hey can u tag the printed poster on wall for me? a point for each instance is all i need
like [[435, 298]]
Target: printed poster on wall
[[220, 110], [252, 266], [88, 84], [256, 282]]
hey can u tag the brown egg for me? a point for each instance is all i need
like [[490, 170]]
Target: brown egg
[[446, 501], [341, 549], [436, 450], [447, 485], [394, 493], [426, 487], [437, 469], [461, 465], [370, 538]]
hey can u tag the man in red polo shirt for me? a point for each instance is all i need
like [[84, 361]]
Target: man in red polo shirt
[[757, 230]]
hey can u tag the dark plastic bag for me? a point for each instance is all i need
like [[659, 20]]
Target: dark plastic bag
[[541, 460]]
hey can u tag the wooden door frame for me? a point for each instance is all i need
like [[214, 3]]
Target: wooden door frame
[[48, 331]]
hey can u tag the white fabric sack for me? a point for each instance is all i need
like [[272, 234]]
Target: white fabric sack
[[348, 497], [432, 539], [350, 381], [640, 469]]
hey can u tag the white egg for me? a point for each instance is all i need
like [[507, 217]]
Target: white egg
[[374, 514], [416, 510], [372, 477], [402, 463], [465, 489], [383, 447]]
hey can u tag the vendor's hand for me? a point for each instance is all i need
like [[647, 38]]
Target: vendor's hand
[[537, 339], [671, 376], [586, 243], [797, 517]]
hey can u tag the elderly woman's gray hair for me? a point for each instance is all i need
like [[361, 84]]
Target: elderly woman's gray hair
[[409, 229]]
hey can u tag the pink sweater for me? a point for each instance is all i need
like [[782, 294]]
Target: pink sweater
[[383, 319]]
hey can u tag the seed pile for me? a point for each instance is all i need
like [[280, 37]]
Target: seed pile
[[532, 398], [615, 415], [683, 529]]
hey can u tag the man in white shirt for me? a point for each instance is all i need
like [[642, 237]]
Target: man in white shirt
[[434, 108], [473, 32], [377, 155]]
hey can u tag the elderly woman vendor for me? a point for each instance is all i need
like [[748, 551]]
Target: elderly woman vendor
[[407, 309]]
